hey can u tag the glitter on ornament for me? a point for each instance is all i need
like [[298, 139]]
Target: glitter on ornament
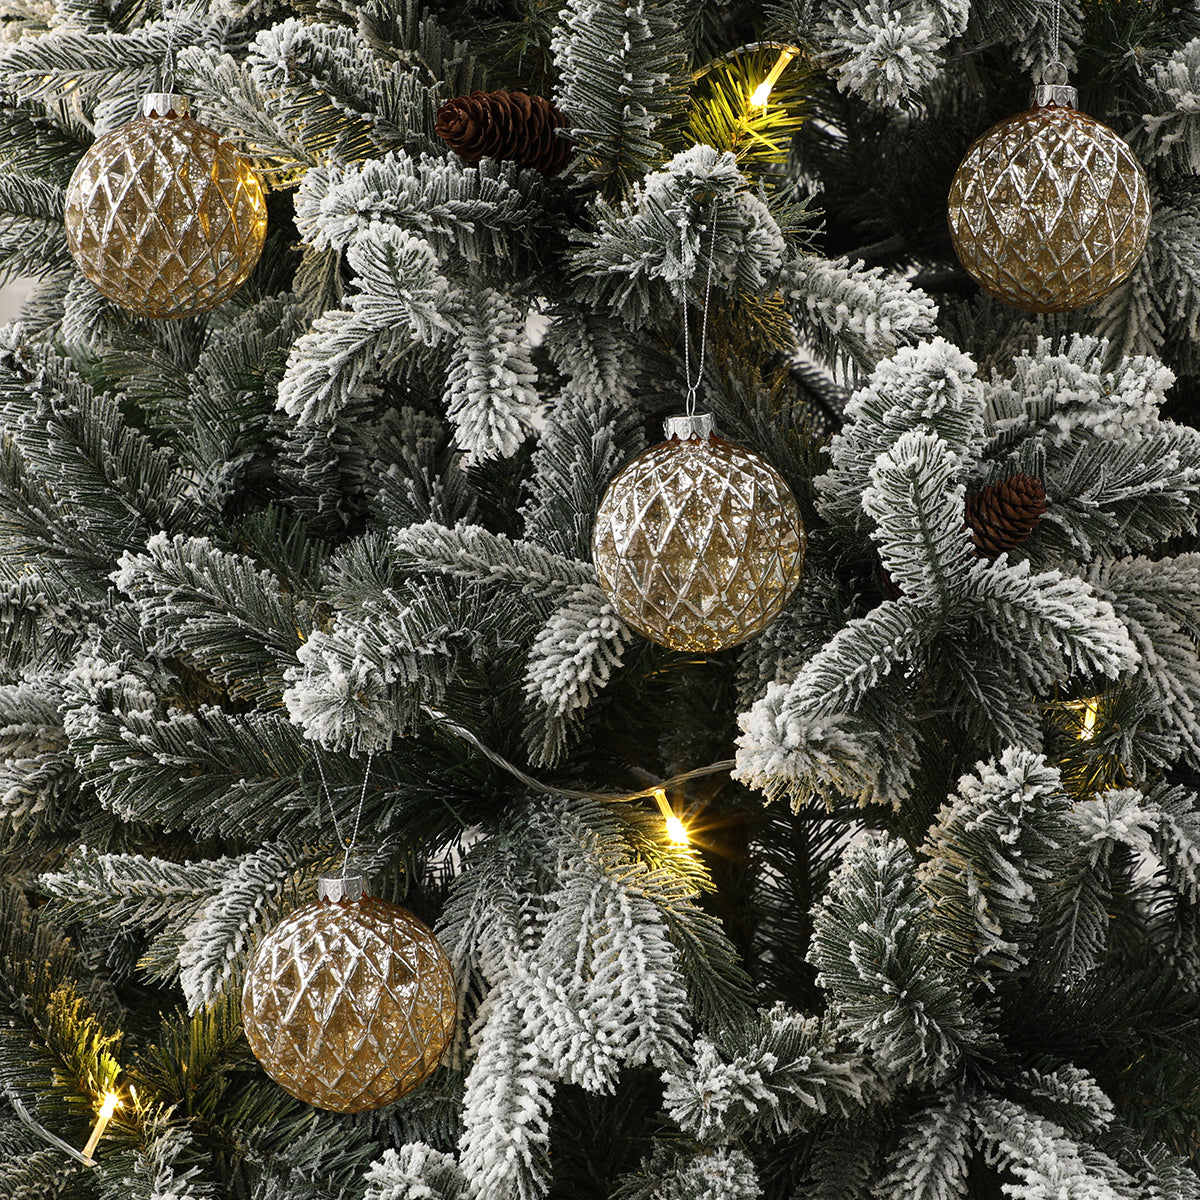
[[349, 1003], [164, 217], [698, 541]]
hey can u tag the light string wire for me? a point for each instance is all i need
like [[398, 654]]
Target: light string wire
[[731, 56], [717, 768], [723, 767], [693, 385], [42, 1132]]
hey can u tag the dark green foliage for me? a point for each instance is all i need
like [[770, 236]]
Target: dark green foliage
[[235, 631]]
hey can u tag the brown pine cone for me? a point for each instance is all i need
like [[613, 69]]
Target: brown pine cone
[[1005, 513], [506, 125]]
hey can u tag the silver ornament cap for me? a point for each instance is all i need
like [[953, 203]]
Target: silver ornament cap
[[1061, 95], [1054, 88], [339, 888], [165, 104], [699, 425]]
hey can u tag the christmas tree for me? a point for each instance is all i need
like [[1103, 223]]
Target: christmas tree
[[299, 584]]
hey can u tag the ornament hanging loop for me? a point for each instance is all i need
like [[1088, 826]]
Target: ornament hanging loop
[[1054, 88], [1055, 73]]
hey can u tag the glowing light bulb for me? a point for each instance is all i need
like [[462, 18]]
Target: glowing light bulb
[[1091, 709], [762, 94], [677, 830], [112, 1101]]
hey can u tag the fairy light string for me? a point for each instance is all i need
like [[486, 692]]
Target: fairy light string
[[112, 1101], [723, 767]]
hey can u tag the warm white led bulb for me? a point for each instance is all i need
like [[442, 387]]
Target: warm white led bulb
[[677, 831], [762, 93], [1091, 709], [112, 1101]]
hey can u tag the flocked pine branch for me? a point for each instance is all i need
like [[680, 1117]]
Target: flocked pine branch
[[622, 85], [415, 1170], [552, 1014], [480, 217], [931, 1159], [855, 317], [578, 452], [365, 682], [402, 300], [1156, 601], [38, 781], [241, 627], [215, 772], [1075, 910], [1070, 625], [96, 64], [32, 238], [777, 1074], [472, 552], [917, 505], [888, 53], [654, 250], [573, 656], [1043, 1158], [893, 992], [249, 895], [989, 858], [1059, 392], [81, 484], [929, 387], [491, 386], [1174, 127]]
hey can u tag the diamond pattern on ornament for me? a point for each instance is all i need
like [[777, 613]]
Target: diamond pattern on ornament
[[1049, 210], [349, 1005], [698, 543], [164, 217]]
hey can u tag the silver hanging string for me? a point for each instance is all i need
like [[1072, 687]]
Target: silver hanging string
[[337, 828], [1050, 75], [693, 385], [167, 70], [362, 796]]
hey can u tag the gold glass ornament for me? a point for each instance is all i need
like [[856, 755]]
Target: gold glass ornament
[[163, 217], [698, 541], [349, 1003], [1049, 210]]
